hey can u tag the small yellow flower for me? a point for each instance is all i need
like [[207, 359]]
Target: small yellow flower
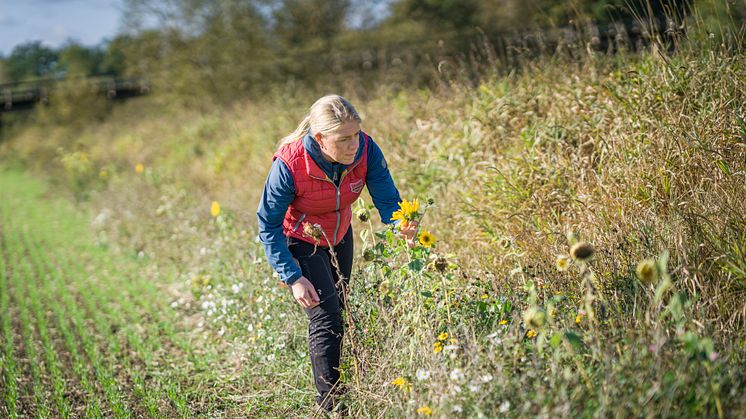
[[563, 263], [437, 347], [103, 174], [503, 322], [402, 383], [443, 336], [531, 334], [452, 341], [578, 318], [425, 410], [397, 215], [139, 168], [485, 296], [215, 208], [399, 381], [427, 239]]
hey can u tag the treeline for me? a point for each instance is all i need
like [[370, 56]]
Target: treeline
[[225, 49]]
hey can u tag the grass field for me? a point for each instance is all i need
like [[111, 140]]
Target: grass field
[[590, 253]]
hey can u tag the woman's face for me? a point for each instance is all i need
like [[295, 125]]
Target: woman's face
[[341, 145]]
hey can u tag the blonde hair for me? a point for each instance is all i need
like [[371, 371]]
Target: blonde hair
[[325, 116]]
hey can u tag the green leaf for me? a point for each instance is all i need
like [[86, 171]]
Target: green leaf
[[575, 340], [416, 265], [556, 340]]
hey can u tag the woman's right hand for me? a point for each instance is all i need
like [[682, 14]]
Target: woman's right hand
[[305, 293]]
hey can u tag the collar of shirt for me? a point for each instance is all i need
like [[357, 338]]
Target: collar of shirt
[[331, 169]]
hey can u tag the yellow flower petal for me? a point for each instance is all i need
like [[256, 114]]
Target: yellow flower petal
[[425, 410]]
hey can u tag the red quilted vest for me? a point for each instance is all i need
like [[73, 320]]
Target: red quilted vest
[[317, 199]]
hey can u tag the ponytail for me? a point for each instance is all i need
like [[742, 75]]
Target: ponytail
[[299, 132]]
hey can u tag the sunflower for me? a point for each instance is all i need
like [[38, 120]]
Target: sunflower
[[427, 239], [397, 215], [407, 210]]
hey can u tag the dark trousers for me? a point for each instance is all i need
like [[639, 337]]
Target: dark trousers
[[325, 325]]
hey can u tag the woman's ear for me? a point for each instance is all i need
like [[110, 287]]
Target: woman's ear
[[318, 140]]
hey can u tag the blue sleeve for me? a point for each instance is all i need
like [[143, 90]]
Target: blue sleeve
[[279, 192], [380, 184]]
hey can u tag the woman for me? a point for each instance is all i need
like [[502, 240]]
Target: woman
[[304, 219]]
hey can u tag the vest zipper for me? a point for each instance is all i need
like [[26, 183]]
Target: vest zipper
[[326, 178], [299, 221]]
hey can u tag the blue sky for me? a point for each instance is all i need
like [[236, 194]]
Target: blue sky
[[55, 21]]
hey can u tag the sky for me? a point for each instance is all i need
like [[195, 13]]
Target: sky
[[53, 22]]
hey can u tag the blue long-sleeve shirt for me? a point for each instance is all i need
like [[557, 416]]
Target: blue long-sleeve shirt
[[279, 192]]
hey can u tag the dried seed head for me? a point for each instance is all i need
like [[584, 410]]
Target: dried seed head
[[363, 214], [441, 264], [647, 272], [313, 230], [534, 317], [582, 251]]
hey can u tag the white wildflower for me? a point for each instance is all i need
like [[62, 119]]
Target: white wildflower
[[423, 374], [457, 375], [504, 406]]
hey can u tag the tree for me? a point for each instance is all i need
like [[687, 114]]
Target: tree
[[32, 60], [77, 60], [303, 22]]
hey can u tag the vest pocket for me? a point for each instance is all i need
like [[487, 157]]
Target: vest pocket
[[300, 220]]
